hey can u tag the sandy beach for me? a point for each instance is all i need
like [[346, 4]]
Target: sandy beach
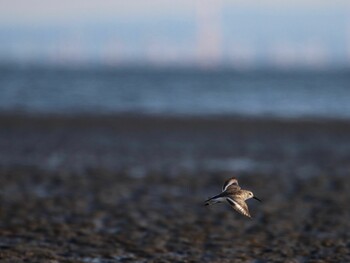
[[131, 189]]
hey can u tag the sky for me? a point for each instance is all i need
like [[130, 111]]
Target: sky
[[205, 33]]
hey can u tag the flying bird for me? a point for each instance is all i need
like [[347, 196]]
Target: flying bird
[[234, 195]]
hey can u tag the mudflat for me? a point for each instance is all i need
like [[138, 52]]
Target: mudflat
[[131, 189]]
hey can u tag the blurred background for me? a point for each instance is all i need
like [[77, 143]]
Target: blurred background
[[119, 118], [249, 58]]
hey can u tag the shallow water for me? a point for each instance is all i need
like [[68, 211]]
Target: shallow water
[[175, 92]]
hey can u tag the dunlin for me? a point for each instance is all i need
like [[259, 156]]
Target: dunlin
[[234, 195]]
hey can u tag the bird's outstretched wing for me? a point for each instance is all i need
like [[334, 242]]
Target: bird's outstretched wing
[[230, 182], [239, 205]]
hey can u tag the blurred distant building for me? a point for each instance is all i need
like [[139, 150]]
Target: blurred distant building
[[209, 35], [310, 54], [204, 33], [348, 40]]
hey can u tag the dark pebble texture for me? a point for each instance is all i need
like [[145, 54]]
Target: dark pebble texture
[[132, 189]]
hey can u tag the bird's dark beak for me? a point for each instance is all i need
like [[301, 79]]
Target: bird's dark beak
[[256, 198]]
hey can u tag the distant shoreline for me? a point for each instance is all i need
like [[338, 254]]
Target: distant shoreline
[[163, 121], [177, 68]]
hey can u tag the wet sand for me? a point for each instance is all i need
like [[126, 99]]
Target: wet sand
[[131, 189]]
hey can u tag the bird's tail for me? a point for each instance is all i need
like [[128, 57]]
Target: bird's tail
[[210, 202], [215, 199]]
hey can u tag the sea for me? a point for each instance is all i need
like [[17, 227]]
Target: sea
[[175, 92]]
